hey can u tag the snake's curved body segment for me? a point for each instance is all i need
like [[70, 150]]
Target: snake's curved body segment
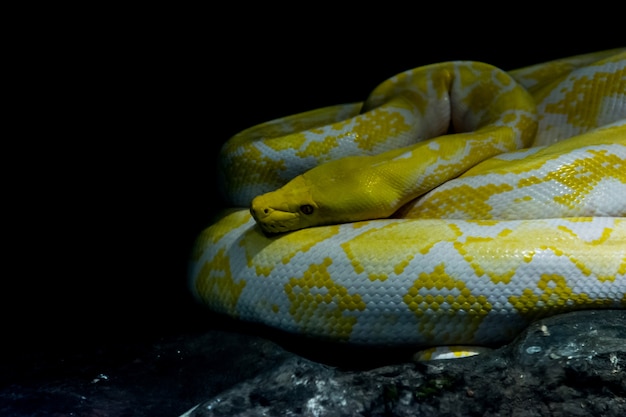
[[438, 239], [437, 282]]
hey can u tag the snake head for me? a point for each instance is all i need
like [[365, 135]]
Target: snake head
[[289, 208], [344, 190]]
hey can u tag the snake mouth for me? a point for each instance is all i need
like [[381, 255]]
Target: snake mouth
[[274, 221]]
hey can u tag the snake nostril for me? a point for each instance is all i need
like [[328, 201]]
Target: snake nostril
[[258, 212]]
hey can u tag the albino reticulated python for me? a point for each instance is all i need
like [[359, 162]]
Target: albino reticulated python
[[456, 205]]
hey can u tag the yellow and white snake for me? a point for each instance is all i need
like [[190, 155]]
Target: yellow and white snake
[[456, 205]]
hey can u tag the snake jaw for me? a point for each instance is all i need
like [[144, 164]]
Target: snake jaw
[[272, 220], [286, 209]]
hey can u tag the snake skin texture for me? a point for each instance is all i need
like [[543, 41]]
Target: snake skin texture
[[484, 200]]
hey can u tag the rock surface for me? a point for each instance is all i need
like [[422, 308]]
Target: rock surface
[[568, 365]]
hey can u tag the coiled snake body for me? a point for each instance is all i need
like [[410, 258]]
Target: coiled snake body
[[391, 230]]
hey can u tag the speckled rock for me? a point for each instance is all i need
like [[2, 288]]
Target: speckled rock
[[567, 365]]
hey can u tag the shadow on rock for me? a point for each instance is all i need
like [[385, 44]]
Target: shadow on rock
[[571, 364]]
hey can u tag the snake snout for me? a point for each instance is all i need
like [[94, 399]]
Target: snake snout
[[259, 210], [259, 215], [273, 218]]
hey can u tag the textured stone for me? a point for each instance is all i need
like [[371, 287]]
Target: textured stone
[[566, 365]]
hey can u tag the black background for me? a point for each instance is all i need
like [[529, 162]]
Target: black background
[[122, 120]]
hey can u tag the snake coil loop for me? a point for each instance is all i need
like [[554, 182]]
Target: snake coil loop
[[370, 224]]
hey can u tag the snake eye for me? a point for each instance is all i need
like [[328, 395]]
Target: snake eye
[[306, 209]]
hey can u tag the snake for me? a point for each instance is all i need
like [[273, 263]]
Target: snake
[[454, 206]]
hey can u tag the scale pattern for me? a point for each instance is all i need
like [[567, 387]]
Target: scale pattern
[[526, 221]]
